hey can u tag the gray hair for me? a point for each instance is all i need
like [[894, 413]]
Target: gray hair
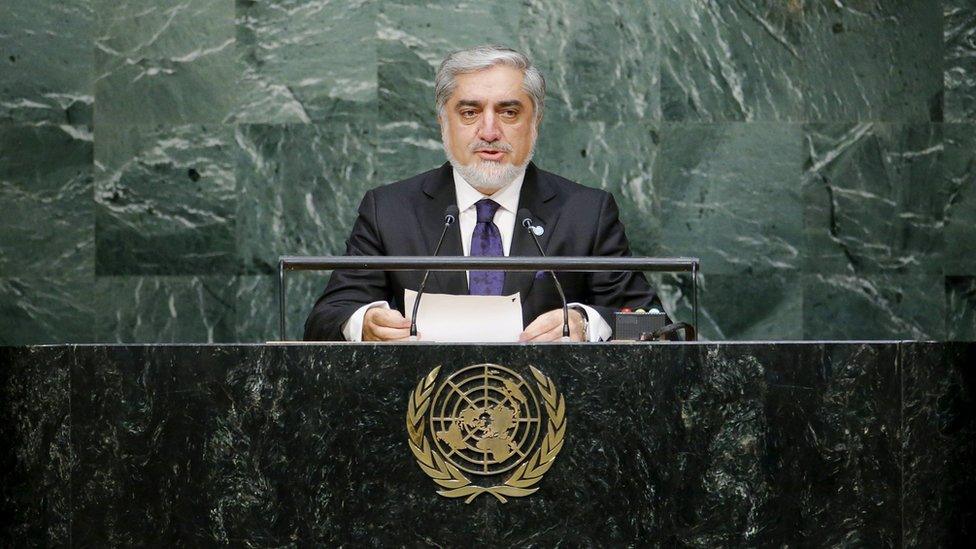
[[485, 57]]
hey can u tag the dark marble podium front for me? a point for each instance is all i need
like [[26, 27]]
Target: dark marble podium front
[[688, 444]]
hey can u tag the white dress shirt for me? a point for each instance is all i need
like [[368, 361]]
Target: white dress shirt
[[507, 198]]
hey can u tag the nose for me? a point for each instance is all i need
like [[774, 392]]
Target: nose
[[489, 131]]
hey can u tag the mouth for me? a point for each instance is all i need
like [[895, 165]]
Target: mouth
[[486, 154]]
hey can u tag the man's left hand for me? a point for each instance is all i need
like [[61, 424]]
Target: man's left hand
[[549, 327]]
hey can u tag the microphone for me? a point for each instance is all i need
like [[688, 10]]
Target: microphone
[[450, 216], [534, 231]]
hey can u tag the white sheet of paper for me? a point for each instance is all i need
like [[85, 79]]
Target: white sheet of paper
[[467, 318]]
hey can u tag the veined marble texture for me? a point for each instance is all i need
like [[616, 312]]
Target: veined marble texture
[[39, 309], [165, 200], [797, 60], [874, 198], [164, 62], [600, 58], [959, 34], [165, 309], [762, 305], [46, 68], [938, 428], [959, 169], [298, 189], [730, 194], [797, 147], [35, 426], [256, 305], [873, 306], [961, 308], [306, 61], [45, 194], [827, 444]]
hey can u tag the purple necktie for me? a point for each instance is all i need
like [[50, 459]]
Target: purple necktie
[[486, 241]]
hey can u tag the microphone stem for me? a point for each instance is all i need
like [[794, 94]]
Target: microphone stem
[[559, 287], [423, 282]]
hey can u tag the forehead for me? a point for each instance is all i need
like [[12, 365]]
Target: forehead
[[498, 83]]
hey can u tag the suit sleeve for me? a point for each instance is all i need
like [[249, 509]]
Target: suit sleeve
[[348, 290], [611, 290]]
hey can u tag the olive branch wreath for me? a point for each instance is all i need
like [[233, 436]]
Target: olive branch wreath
[[454, 482]]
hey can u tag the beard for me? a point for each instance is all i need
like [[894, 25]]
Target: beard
[[490, 175]]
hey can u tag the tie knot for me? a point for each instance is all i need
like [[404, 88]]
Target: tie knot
[[486, 210]]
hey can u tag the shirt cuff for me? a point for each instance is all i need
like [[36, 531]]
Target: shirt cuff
[[352, 329], [597, 328]]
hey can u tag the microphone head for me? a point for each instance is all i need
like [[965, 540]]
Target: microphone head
[[451, 213], [526, 216]]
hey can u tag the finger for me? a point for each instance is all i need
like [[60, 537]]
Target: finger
[[390, 334], [391, 319], [552, 335], [542, 324], [538, 327]]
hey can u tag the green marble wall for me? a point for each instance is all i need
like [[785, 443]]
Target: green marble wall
[[157, 156]]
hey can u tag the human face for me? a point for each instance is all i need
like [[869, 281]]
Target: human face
[[489, 122]]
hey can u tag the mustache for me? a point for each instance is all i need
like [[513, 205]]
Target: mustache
[[486, 146]]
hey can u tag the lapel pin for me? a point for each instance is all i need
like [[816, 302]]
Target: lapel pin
[[538, 231]]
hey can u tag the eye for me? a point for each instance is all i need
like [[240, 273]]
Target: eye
[[509, 113], [468, 114]]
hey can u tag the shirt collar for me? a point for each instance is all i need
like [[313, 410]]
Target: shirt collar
[[507, 197]]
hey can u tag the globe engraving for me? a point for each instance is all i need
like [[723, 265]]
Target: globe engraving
[[485, 419]]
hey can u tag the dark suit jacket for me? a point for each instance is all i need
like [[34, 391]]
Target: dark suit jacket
[[406, 218]]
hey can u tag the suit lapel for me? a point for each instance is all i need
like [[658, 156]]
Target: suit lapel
[[537, 197], [439, 194]]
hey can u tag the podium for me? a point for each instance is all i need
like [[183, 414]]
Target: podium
[[700, 444]]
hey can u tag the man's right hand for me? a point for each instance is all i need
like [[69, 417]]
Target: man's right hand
[[385, 325]]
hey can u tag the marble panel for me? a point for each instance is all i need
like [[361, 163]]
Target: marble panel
[[47, 61], [853, 307], [758, 306], [600, 59], [874, 198], [304, 61], [806, 434], [169, 62], [728, 61], [299, 187], [730, 195], [35, 466], [725, 444], [959, 169], [165, 309], [38, 310], [256, 306], [867, 60], [617, 158], [960, 308], [140, 425], [959, 62], [837, 479], [773, 60], [413, 40], [46, 195], [939, 444], [165, 200]]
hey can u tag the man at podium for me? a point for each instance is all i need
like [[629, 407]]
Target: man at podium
[[489, 103]]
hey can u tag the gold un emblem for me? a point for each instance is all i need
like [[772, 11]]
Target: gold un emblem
[[485, 421]]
